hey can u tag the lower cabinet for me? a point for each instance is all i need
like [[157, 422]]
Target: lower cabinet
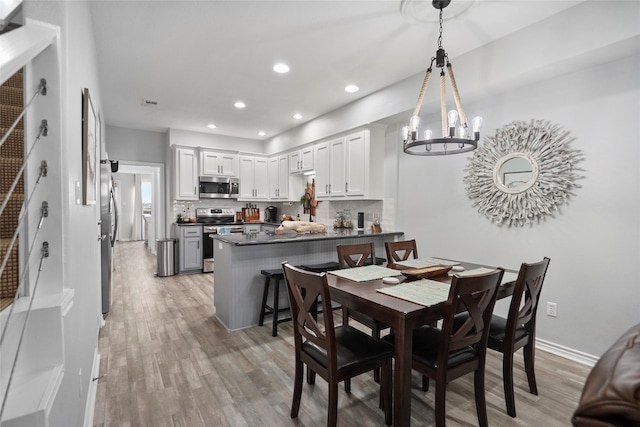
[[190, 249]]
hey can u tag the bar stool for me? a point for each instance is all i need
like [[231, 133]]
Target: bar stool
[[274, 276]]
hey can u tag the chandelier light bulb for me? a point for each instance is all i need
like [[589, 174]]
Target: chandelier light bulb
[[405, 133], [453, 118], [413, 123], [462, 132], [428, 134], [477, 123]]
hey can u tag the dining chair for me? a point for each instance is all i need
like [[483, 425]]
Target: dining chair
[[358, 255], [335, 353], [518, 330], [400, 251], [458, 349]]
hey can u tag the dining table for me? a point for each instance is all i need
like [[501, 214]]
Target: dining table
[[367, 296]]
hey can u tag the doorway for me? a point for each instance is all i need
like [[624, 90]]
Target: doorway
[[143, 206]]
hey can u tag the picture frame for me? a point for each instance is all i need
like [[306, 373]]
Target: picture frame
[[89, 144]]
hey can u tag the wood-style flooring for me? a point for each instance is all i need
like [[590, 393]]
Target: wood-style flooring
[[167, 361]]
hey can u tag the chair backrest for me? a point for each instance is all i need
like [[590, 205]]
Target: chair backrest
[[355, 255], [400, 251], [477, 295], [528, 287], [305, 289]]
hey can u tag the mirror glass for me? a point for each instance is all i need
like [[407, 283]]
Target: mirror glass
[[515, 172]]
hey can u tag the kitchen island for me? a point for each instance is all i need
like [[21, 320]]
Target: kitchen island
[[239, 258]]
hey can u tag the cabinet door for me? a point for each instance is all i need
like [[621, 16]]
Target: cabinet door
[[306, 159], [322, 159], [274, 177], [246, 178], [186, 174], [357, 159], [209, 163], [192, 253], [337, 178], [283, 177], [228, 165], [261, 178], [294, 162]]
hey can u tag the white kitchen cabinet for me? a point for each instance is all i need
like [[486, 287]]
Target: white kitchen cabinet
[[301, 160], [186, 174], [345, 167], [254, 178], [330, 169], [218, 163], [279, 177]]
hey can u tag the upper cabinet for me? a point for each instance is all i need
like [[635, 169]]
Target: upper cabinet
[[254, 178], [218, 163], [279, 177], [186, 174], [344, 166], [301, 160]]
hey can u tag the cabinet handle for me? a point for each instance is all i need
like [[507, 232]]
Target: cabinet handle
[[195, 190], [329, 188], [326, 188], [346, 186]]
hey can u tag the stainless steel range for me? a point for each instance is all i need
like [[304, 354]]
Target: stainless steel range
[[215, 221]]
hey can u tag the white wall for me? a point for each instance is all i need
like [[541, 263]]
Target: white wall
[[80, 229]]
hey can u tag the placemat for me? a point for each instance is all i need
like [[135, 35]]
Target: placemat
[[426, 262], [365, 273], [424, 292]]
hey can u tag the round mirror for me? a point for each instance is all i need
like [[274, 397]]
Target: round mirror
[[522, 173], [515, 173]]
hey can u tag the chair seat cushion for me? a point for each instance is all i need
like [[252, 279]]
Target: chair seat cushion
[[425, 347], [321, 268], [353, 347], [498, 328]]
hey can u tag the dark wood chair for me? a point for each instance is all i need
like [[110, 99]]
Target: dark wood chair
[[358, 255], [335, 353], [400, 251], [518, 330], [458, 349]]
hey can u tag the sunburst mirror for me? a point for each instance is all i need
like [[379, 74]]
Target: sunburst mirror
[[523, 172]]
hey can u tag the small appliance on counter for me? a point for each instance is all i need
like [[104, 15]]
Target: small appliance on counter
[[271, 215]]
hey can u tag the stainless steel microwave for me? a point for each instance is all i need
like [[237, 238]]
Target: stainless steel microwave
[[219, 188]]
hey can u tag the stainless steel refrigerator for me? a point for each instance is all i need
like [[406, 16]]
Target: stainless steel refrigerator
[[108, 228]]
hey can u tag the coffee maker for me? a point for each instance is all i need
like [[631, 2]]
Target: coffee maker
[[271, 215]]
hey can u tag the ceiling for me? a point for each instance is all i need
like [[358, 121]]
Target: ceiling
[[197, 58]]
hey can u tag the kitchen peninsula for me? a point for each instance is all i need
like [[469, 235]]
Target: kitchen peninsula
[[239, 258]]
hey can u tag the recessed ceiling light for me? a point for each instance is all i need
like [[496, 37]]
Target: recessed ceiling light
[[211, 126], [281, 68], [351, 88], [261, 133], [297, 116], [239, 104]]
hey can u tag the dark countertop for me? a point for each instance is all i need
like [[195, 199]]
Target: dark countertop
[[181, 224], [263, 238]]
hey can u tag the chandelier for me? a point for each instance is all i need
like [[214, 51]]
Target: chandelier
[[456, 136]]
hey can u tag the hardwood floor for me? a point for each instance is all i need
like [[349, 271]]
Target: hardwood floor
[[167, 361]]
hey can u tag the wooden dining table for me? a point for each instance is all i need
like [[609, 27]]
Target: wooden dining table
[[403, 317]]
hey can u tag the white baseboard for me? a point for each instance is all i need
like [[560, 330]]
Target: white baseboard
[[566, 352], [90, 407]]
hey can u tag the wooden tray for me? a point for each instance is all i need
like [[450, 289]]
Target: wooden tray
[[426, 272]]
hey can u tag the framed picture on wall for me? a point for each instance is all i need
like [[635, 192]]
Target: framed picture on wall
[[89, 145]]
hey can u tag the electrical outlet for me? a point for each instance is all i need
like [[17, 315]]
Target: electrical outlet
[[552, 309]]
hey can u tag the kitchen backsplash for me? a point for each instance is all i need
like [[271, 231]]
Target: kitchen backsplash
[[325, 211]]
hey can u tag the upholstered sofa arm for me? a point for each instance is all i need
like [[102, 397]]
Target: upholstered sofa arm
[[611, 394]]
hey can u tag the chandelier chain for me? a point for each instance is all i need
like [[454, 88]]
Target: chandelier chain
[[440, 32]]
